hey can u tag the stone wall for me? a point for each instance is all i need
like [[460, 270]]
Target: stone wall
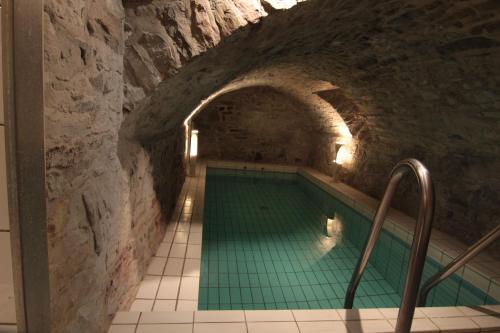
[[257, 125], [104, 219], [109, 198]]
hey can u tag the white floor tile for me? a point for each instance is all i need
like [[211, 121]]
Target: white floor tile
[[269, 315], [165, 328], [174, 267], [142, 305], [369, 326], [196, 227], [186, 305], [189, 288], [156, 266], [164, 305], [192, 267], [195, 238], [487, 322], [112, 329], [392, 313], [442, 312], [185, 219], [315, 315], [272, 327], [419, 325], [184, 227], [170, 317], [169, 287], [227, 316], [322, 327], [169, 237], [181, 237], [148, 287], [163, 250], [462, 324], [220, 328], [7, 304], [360, 314], [193, 251], [130, 317], [178, 251]]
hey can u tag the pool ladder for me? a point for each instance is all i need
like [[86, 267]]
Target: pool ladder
[[419, 244]]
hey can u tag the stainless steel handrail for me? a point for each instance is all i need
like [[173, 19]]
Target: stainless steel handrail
[[458, 262], [419, 245]]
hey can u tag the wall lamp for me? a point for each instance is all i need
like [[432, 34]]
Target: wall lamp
[[193, 152]]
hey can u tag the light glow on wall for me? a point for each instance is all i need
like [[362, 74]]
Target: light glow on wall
[[193, 151]]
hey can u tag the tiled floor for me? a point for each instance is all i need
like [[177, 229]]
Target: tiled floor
[[306, 321], [172, 279]]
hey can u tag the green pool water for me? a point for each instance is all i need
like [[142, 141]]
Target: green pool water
[[266, 246]]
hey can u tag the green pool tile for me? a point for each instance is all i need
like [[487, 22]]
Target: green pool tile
[[299, 294], [278, 295], [288, 294], [283, 280], [254, 280], [257, 295], [213, 280], [213, 296], [246, 295], [318, 292], [225, 306], [314, 305], [223, 280], [259, 306], [292, 279], [244, 280], [234, 280], [336, 303], [271, 306], [224, 297], [203, 296], [264, 280], [311, 278], [235, 295], [328, 291]]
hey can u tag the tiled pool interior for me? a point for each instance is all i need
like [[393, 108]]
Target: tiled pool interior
[[265, 246]]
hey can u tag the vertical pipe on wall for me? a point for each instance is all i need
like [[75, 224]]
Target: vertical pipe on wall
[[22, 40]]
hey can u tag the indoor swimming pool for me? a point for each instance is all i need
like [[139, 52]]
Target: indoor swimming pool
[[277, 241]]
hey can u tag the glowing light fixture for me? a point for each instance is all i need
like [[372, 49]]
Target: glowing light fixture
[[282, 4], [193, 151], [342, 156]]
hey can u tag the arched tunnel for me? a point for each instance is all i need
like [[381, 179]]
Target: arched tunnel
[[388, 79]]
